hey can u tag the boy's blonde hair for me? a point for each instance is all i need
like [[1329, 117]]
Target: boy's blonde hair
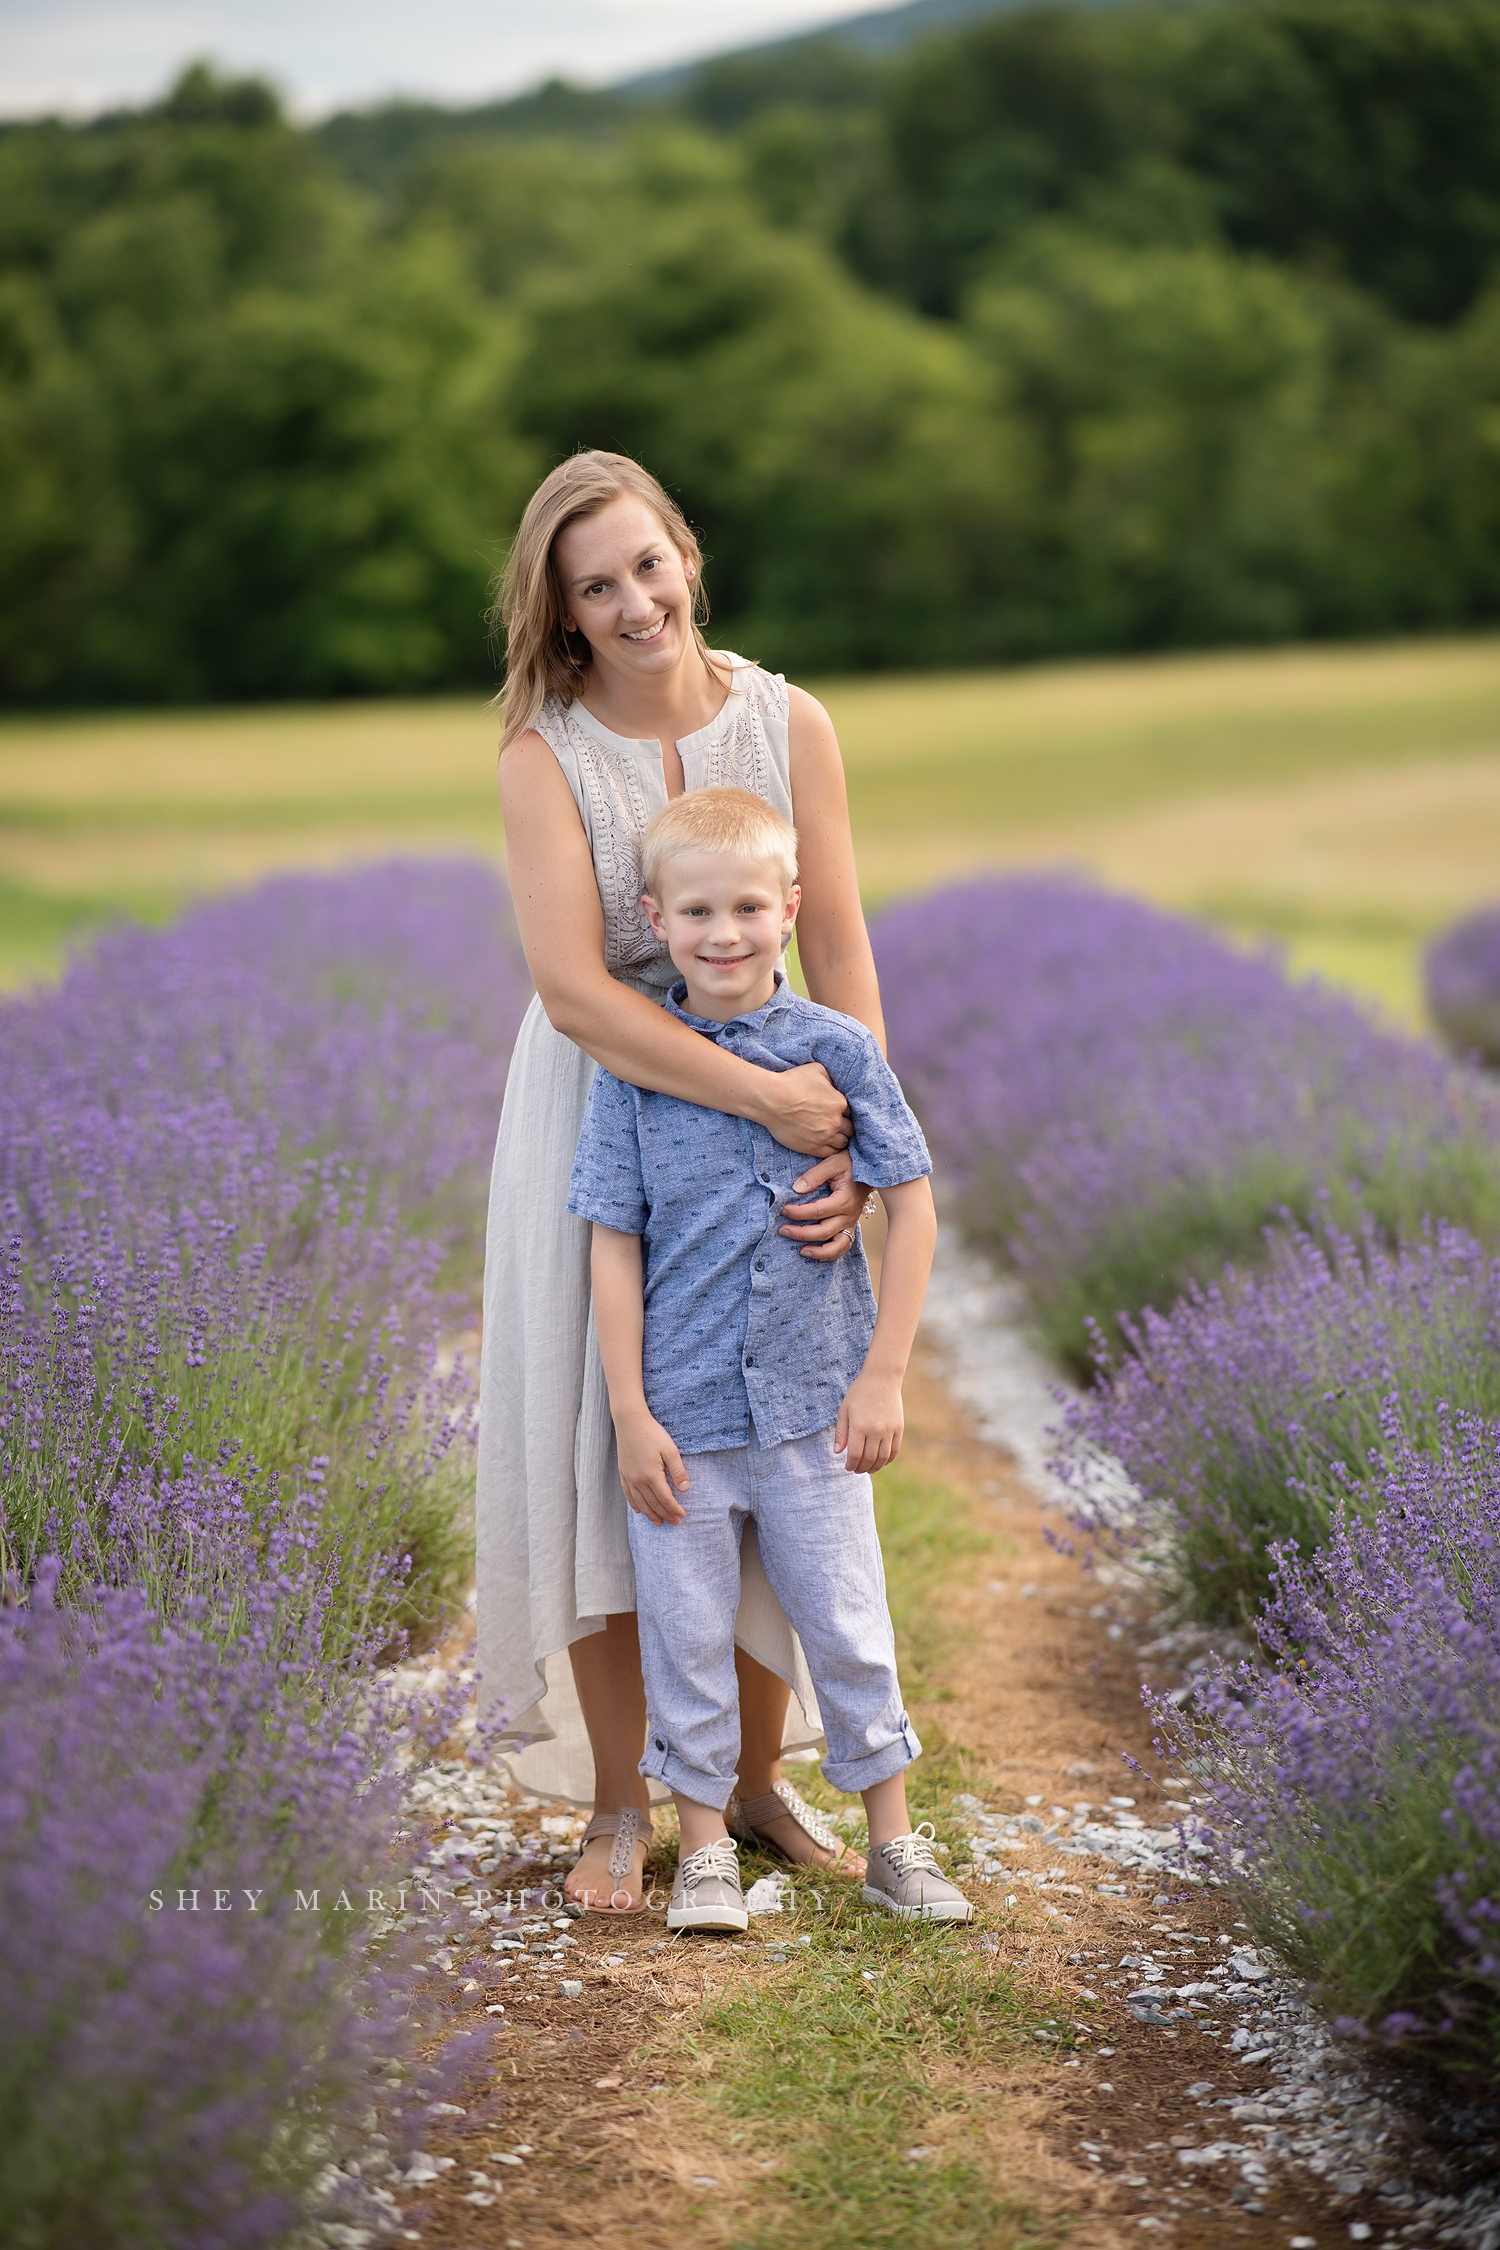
[[720, 820]]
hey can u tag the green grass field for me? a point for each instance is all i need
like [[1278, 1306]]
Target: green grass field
[[1343, 800]]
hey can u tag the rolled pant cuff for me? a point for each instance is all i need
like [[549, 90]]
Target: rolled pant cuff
[[699, 1788], [855, 1775]]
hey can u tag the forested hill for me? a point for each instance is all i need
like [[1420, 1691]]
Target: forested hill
[[1061, 331], [883, 31], [368, 143]]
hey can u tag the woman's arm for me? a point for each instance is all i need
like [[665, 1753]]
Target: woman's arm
[[556, 900], [833, 944]]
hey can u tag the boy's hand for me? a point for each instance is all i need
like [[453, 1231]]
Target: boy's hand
[[650, 1468], [871, 1423]]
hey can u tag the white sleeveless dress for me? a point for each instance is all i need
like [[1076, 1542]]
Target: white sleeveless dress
[[553, 1553]]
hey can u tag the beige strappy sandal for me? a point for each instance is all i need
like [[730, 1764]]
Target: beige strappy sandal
[[745, 1817], [629, 1827]]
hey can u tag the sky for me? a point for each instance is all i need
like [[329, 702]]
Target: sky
[[78, 56]]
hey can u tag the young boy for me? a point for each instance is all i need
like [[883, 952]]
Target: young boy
[[748, 1383]]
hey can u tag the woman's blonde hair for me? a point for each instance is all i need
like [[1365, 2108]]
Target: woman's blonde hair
[[720, 820], [541, 657]]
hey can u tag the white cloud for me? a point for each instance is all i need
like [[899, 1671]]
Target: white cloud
[[81, 55]]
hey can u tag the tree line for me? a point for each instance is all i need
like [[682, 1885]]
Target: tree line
[[1154, 326]]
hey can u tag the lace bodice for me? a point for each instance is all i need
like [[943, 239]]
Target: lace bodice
[[618, 785]]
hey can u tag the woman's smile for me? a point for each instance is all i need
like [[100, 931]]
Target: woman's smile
[[649, 632]]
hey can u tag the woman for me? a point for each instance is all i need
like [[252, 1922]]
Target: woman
[[613, 703]]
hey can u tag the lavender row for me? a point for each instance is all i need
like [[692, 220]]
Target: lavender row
[[1263, 1226], [1124, 1102], [1353, 1791], [1315, 1454], [1463, 985], [1247, 1418], [182, 2042], [310, 1064], [243, 1165]]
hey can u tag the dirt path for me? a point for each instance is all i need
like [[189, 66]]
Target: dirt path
[[601, 2096]]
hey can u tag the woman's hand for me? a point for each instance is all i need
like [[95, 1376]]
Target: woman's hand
[[829, 1235], [804, 1110]]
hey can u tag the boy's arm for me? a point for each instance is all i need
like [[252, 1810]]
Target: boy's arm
[[870, 1420], [650, 1464]]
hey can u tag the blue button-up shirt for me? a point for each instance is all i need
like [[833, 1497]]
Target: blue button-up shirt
[[740, 1328]]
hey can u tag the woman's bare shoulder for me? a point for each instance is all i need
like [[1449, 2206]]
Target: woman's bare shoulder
[[806, 712], [531, 744], [530, 775], [811, 739]]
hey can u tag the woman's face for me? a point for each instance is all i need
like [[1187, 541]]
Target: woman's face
[[626, 589]]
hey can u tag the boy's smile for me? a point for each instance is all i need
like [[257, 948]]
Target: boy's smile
[[724, 921]]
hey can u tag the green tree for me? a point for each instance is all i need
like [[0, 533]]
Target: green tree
[[1020, 117], [256, 450], [1178, 410], [314, 485], [837, 453], [1361, 137], [1356, 138]]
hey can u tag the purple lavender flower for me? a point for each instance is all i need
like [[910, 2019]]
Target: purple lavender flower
[[1463, 984], [240, 1159], [181, 2045], [1124, 1101], [1354, 1798], [316, 1064], [1252, 1412], [242, 1164]]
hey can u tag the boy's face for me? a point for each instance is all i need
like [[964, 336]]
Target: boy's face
[[723, 920]]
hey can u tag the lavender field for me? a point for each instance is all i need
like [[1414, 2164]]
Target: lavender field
[[243, 1164], [1267, 1231], [1123, 1101]]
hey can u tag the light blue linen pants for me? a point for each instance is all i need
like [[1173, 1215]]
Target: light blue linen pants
[[815, 1527]]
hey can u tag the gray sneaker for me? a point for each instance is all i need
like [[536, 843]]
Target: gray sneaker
[[706, 1892], [905, 1879]]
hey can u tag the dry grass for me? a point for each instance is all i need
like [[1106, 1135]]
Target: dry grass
[[1345, 800]]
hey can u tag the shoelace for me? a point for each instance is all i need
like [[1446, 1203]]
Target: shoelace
[[719, 1859], [915, 1850]]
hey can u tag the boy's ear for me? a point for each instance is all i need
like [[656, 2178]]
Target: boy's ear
[[653, 915], [789, 911]]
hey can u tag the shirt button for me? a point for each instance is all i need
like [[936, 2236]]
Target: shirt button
[[660, 1744], [766, 1177], [760, 1265], [749, 1359]]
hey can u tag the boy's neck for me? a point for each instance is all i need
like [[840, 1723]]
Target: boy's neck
[[713, 1008]]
